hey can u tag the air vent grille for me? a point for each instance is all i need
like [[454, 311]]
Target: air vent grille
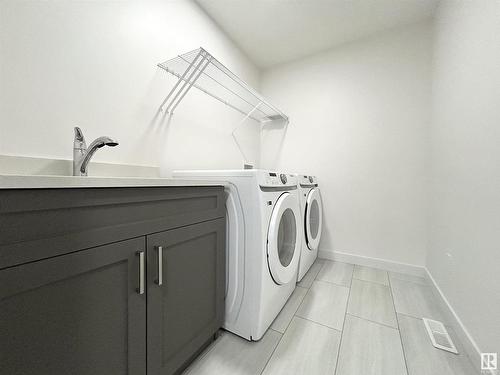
[[439, 335]]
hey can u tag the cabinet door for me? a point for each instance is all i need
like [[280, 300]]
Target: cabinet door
[[187, 308], [76, 314]]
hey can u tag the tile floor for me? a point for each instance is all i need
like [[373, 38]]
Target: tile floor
[[344, 320]]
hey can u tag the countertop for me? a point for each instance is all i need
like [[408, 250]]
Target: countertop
[[58, 182]]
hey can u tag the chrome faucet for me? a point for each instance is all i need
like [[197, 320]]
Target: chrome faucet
[[82, 154]]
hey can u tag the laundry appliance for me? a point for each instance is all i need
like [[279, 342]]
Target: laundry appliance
[[311, 208], [263, 245]]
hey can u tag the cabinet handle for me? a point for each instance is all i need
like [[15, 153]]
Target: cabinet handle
[[140, 290], [159, 281]]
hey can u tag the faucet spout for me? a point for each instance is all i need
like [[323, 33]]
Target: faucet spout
[[82, 155]]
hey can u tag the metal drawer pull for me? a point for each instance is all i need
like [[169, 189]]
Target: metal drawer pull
[[159, 281], [140, 290]]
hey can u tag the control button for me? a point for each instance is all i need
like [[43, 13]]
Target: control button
[[311, 179], [283, 178]]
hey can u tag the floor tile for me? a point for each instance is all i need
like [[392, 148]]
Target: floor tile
[[231, 355], [417, 300], [336, 273], [373, 302], [306, 348], [370, 349], [325, 303], [285, 316], [309, 277], [373, 275], [424, 359], [409, 278]]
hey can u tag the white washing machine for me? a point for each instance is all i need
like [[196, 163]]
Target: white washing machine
[[264, 239], [311, 208]]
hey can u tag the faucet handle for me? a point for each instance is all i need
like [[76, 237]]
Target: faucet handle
[[79, 134], [79, 141]]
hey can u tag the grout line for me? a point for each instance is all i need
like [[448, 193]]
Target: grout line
[[331, 282], [314, 278], [371, 281], [320, 324], [399, 328], [343, 324], [286, 329], [411, 316], [272, 329], [373, 321], [297, 309], [204, 354], [446, 324], [327, 282], [296, 316], [272, 352]]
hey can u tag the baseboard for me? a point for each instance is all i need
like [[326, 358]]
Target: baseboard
[[470, 346], [384, 264]]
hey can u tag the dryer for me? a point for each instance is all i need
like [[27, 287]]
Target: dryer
[[312, 221], [263, 245]]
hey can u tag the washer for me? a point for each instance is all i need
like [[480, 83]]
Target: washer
[[263, 245], [312, 221]]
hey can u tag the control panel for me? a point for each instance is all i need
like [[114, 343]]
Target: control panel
[[277, 180], [308, 180]]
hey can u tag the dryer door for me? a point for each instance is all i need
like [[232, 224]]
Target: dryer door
[[283, 239], [313, 218]]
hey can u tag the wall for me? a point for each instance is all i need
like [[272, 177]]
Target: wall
[[93, 64], [359, 121], [464, 251]]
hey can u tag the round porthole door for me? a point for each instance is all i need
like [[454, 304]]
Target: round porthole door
[[313, 219], [283, 245]]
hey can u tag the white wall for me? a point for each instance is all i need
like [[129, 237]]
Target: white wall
[[93, 64], [464, 246], [359, 121]]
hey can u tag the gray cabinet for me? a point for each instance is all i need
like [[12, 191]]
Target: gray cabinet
[[74, 314], [70, 277], [187, 306]]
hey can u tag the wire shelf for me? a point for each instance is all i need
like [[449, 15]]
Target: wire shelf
[[200, 69]]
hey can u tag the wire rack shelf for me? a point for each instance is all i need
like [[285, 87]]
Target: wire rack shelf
[[201, 70]]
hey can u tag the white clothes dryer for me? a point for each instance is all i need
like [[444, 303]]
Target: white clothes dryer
[[311, 207], [264, 238]]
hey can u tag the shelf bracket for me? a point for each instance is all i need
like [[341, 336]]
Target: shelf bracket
[[240, 124]]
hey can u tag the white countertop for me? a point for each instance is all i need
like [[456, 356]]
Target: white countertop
[[57, 182]]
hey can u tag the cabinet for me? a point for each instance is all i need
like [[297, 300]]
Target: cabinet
[[74, 314], [188, 306], [79, 309]]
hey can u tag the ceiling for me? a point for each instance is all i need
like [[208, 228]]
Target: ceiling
[[276, 31]]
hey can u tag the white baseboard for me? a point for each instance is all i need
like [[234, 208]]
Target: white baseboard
[[468, 342], [469, 345], [384, 264]]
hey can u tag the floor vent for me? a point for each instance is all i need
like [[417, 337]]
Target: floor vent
[[439, 335]]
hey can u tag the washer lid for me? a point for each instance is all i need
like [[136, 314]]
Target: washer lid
[[313, 219], [283, 239]]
